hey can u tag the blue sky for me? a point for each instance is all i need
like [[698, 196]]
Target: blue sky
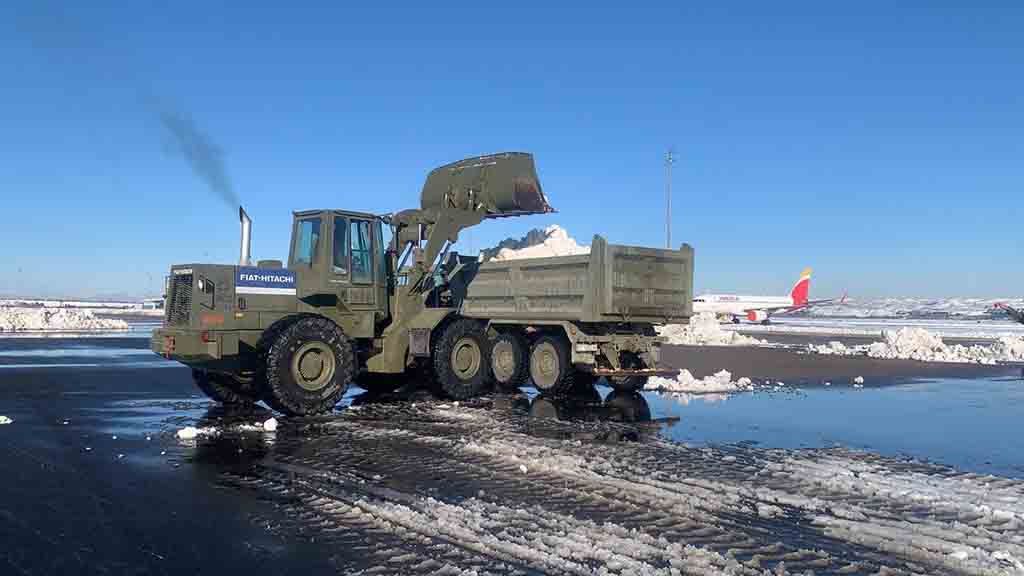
[[879, 142]]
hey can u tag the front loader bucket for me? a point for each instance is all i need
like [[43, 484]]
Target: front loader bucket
[[502, 184]]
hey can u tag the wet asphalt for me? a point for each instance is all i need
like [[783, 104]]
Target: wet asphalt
[[93, 479]]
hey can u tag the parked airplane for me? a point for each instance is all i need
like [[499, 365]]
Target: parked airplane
[[760, 308], [1013, 313]]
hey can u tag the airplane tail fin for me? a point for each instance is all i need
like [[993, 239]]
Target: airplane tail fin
[[802, 288]]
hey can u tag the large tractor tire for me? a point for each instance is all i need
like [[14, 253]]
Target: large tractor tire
[[309, 367], [221, 388], [551, 366], [462, 359], [510, 362]]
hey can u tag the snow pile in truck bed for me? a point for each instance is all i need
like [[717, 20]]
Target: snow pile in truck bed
[[557, 242], [721, 381], [920, 344], [704, 329], [48, 319]]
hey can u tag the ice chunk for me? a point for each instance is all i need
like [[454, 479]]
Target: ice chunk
[[721, 381], [704, 329], [191, 432]]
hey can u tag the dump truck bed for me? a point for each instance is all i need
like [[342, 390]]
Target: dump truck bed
[[613, 284]]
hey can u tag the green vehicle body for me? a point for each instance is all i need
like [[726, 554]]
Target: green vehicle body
[[391, 300]]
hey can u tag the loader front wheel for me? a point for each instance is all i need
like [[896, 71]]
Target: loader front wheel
[[462, 359], [309, 367], [220, 388]]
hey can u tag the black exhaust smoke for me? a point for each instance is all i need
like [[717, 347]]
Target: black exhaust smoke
[[203, 155]]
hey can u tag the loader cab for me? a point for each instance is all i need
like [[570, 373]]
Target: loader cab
[[339, 262]]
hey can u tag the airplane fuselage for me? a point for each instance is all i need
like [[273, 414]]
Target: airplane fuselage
[[737, 305]]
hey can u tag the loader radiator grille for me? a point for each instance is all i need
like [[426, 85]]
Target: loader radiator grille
[[179, 299]]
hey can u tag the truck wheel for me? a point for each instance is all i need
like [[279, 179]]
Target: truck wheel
[[629, 383], [462, 359], [309, 367], [627, 407], [220, 388], [550, 365], [509, 361]]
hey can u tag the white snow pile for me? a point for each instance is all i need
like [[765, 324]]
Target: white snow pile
[[40, 319], [704, 330], [685, 382], [919, 344], [191, 432], [557, 242]]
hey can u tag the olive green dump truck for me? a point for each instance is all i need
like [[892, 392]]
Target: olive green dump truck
[[349, 307]]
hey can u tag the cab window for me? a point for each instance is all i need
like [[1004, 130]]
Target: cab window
[[362, 258], [340, 259], [307, 241]]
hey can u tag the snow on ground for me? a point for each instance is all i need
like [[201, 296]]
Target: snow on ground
[[704, 329], [192, 432], [978, 329], [719, 382], [557, 505], [557, 242], [919, 344], [49, 319], [958, 307]]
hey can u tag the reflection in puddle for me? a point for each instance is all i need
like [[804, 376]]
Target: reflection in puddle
[[959, 422]]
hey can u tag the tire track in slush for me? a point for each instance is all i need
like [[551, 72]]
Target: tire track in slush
[[431, 488]]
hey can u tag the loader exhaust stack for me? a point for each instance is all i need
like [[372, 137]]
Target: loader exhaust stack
[[245, 258]]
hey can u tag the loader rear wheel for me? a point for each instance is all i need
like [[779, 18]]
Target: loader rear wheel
[[309, 367], [221, 388], [550, 365], [462, 359], [509, 360]]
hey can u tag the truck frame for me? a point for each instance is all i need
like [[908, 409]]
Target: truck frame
[[350, 307]]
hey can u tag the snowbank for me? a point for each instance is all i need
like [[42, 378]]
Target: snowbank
[[704, 329], [959, 307], [557, 242], [685, 382], [44, 319], [920, 344]]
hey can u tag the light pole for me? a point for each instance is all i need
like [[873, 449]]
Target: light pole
[[669, 160]]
